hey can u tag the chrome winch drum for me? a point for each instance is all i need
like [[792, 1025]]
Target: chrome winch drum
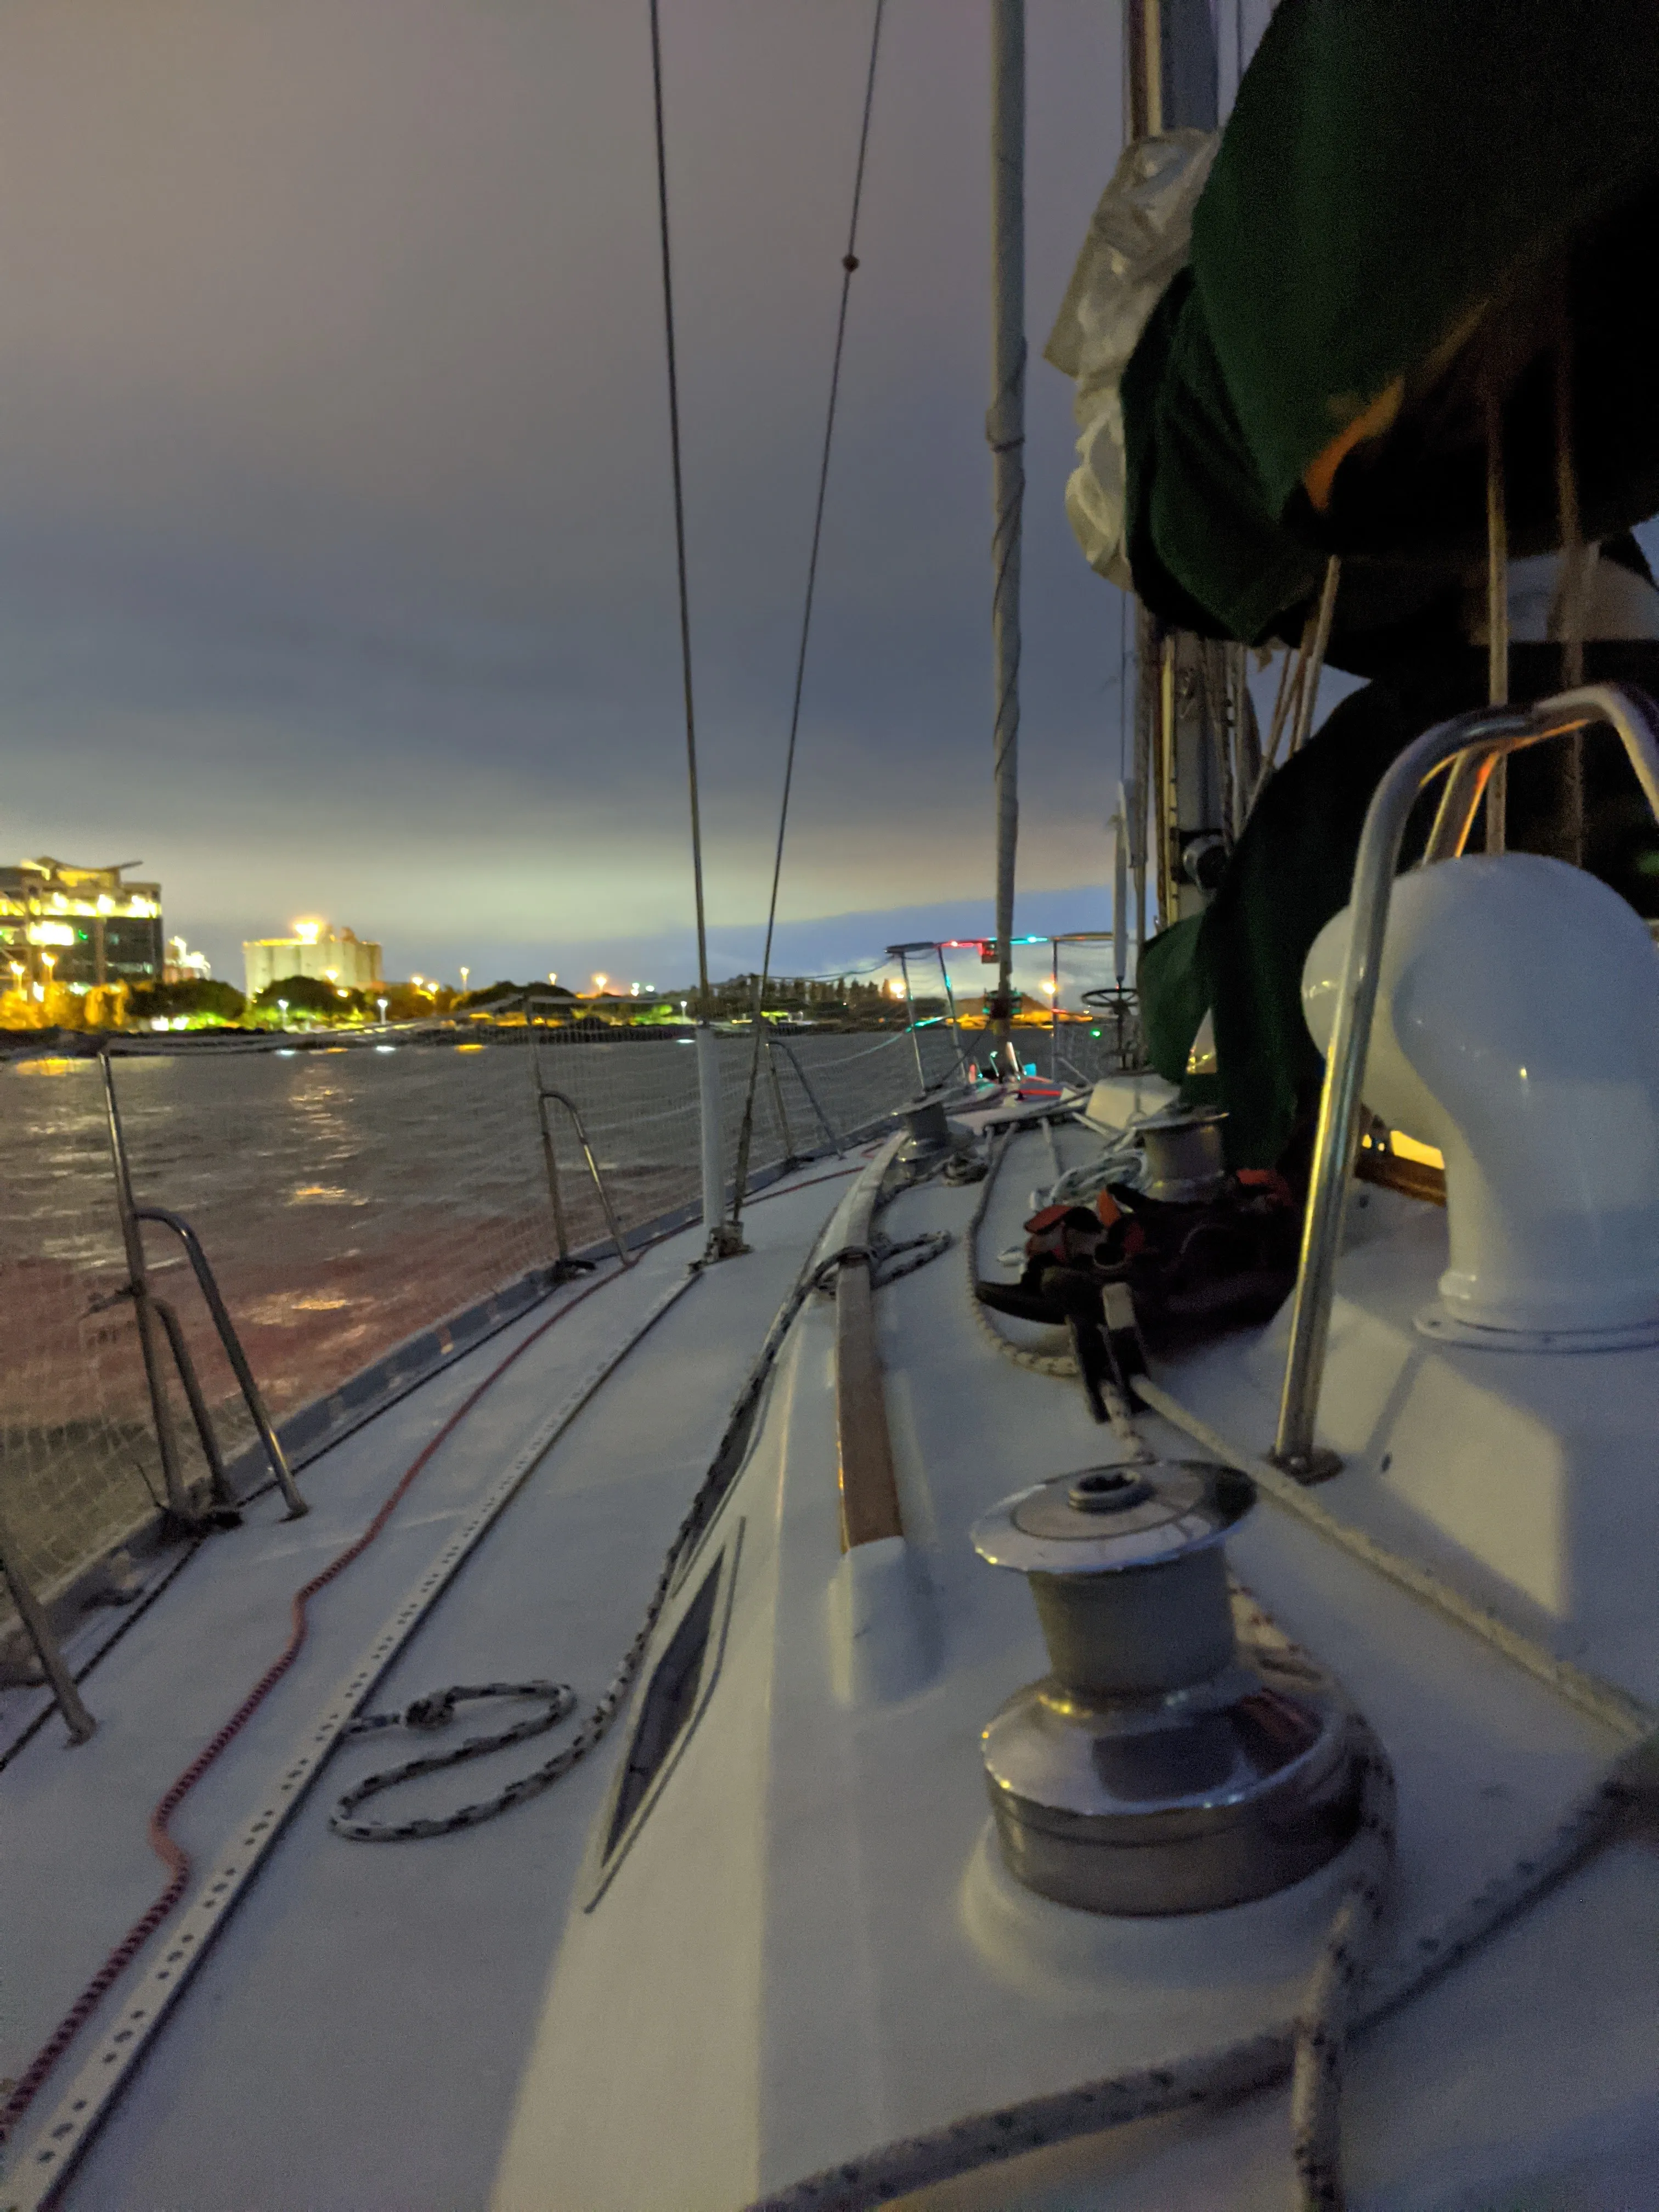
[[1164, 1765], [1185, 1162]]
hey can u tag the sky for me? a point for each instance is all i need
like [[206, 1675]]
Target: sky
[[336, 552]]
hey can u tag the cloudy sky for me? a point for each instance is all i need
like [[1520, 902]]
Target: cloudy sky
[[336, 561]]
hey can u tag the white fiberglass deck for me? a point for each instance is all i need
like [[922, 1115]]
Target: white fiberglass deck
[[811, 1948], [808, 1946], [355, 2036]]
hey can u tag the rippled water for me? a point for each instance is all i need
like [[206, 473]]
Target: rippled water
[[347, 1199]]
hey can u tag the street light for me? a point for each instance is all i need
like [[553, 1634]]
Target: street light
[[382, 1004], [465, 972], [281, 1008]]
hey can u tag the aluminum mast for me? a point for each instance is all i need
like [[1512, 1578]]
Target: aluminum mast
[[1005, 430]]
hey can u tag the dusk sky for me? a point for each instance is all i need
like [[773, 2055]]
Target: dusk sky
[[336, 553]]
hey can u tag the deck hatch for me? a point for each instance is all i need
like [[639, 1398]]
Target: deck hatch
[[669, 1700]]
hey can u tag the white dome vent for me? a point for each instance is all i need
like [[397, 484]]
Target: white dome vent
[[1517, 1029]]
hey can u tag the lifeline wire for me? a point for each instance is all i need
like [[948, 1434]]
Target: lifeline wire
[[849, 262], [172, 1854], [679, 509]]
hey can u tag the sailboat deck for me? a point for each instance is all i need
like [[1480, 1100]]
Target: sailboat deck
[[809, 1946], [355, 2036]]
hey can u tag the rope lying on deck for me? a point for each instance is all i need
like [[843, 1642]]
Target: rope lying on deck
[[435, 1711], [172, 1854], [1602, 1701], [1343, 2001], [1035, 1363], [1313, 2049]]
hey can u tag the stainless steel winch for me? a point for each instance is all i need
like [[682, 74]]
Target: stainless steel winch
[[1165, 1764], [1185, 1162]]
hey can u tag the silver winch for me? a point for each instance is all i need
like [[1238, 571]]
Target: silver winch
[[1182, 1146], [1164, 1765], [930, 1134]]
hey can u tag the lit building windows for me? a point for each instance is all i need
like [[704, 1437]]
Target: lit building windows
[[83, 927]]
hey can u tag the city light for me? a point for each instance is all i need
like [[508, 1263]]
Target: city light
[[307, 932]]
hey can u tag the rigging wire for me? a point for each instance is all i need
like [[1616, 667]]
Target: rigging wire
[[679, 508], [849, 262], [19, 2095]]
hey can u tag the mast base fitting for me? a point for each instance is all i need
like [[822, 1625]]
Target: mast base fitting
[[1308, 1467], [932, 1134], [1164, 1765]]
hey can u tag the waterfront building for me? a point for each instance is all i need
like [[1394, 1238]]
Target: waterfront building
[[316, 948], [85, 927], [184, 965]]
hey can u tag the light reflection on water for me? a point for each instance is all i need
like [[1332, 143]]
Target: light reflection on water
[[388, 1185], [347, 1201]]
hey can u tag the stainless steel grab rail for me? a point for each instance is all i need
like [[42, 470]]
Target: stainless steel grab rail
[[1474, 743], [233, 1352], [818, 1114], [567, 1265], [147, 1308], [38, 1629]]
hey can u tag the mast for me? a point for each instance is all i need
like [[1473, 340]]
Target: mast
[[1170, 82], [1005, 430]]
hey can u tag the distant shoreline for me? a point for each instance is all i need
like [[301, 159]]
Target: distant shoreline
[[126, 1044]]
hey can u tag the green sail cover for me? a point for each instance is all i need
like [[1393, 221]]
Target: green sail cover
[[1420, 194]]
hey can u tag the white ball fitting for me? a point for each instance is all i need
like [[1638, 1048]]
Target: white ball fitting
[[1517, 1029]]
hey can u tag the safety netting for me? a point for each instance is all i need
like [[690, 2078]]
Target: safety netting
[[354, 1202]]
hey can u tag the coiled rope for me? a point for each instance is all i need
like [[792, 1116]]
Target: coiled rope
[[887, 1262], [1035, 1362], [172, 1854]]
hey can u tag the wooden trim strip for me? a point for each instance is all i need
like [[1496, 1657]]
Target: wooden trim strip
[[869, 1490]]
